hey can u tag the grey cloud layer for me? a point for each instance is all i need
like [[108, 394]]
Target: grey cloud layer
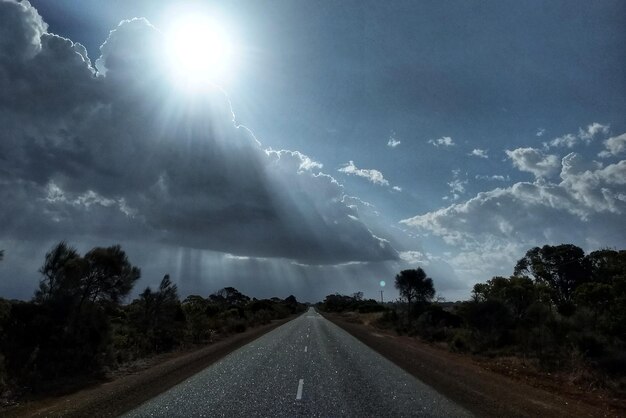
[[118, 153]]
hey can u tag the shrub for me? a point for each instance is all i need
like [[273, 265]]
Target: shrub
[[491, 320], [460, 341], [368, 306], [234, 326]]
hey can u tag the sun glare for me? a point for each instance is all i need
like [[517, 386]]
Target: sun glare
[[198, 51]]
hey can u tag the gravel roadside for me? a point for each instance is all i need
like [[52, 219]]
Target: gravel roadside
[[123, 393], [459, 377], [483, 392]]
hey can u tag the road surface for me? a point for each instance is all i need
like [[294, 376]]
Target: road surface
[[307, 367]]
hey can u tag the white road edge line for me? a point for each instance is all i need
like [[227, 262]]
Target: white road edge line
[[300, 385], [305, 347]]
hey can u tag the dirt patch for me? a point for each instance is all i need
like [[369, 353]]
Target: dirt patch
[[481, 387], [140, 383]]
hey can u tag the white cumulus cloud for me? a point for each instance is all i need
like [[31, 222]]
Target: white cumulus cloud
[[372, 175], [584, 136], [588, 133], [534, 161], [614, 146], [444, 141], [456, 185], [480, 153], [494, 177], [393, 142], [586, 207]]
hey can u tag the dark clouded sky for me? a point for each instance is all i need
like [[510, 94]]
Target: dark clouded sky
[[346, 141]]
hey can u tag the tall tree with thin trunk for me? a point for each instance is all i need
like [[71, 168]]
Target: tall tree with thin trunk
[[102, 275], [415, 286]]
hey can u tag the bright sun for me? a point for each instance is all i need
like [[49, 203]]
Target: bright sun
[[198, 51]]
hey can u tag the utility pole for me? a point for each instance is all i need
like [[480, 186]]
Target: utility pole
[[381, 296]]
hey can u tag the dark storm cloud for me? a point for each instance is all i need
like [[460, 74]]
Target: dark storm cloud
[[113, 150]]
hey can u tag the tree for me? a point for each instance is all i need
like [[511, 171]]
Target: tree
[[517, 293], [230, 296], [195, 308], [61, 272], [292, 303], [605, 295], [607, 265], [338, 303], [69, 318], [491, 318], [415, 285], [103, 275], [358, 296], [562, 267], [66, 329], [597, 297], [157, 316], [109, 277]]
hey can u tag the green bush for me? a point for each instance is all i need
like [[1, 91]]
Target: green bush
[[461, 341], [369, 306], [612, 362], [388, 319], [491, 322], [234, 326]]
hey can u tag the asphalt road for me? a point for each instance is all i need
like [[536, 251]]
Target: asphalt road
[[307, 367]]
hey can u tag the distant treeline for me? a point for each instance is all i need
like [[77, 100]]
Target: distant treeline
[[565, 309], [77, 326]]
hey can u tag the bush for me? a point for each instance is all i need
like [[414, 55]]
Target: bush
[[491, 320], [261, 317], [461, 341], [612, 362], [387, 319], [41, 345], [234, 326], [434, 323], [369, 306]]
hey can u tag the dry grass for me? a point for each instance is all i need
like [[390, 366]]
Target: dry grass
[[370, 318]]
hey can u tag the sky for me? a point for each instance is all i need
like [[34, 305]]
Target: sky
[[333, 145]]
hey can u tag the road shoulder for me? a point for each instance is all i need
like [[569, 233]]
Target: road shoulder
[[456, 376], [124, 393]]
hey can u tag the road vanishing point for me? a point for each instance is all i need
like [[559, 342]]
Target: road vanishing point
[[307, 367]]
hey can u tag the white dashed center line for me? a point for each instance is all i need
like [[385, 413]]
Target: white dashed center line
[[300, 385], [305, 347]]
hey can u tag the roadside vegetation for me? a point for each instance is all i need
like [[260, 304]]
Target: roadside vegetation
[[78, 327], [562, 310]]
